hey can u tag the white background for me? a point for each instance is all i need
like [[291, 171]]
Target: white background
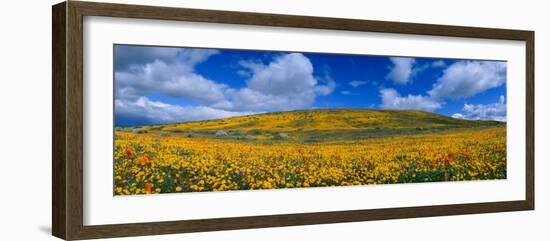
[[26, 121], [101, 208]]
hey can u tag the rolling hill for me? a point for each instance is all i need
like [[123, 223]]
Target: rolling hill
[[319, 124]]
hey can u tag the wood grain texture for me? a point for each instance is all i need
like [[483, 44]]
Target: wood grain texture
[[74, 121], [263, 19], [122, 230], [58, 121], [530, 120], [67, 154]]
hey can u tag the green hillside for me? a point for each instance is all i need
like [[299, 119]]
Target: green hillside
[[320, 124]]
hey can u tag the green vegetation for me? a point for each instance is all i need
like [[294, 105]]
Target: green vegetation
[[319, 125]]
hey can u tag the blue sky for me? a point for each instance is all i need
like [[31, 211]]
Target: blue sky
[[155, 85]]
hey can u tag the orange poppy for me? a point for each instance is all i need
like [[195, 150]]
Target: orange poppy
[[148, 187], [129, 153]]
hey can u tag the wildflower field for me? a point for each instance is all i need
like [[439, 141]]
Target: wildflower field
[[307, 149]]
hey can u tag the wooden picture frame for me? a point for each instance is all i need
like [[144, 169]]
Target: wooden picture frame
[[67, 124]]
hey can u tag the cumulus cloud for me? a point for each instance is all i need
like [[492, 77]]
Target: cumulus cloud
[[357, 83], [459, 80], [495, 111], [427, 65], [286, 83], [467, 78], [401, 70], [127, 56], [175, 80], [287, 74], [142, 71], [145, 111], [391, 99], [146, 70], [325, 86]]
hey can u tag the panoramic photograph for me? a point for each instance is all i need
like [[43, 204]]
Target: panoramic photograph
[[201, 120]]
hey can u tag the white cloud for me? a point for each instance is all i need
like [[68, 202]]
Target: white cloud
[[251, 100], [195, 56], [467, 78], [357, 83], [458, 116], [345, 92], [128, 56], [158, 112], [325, 86], [170, 72], [401, 70], [286, 83], [393, 100], [438, 64], [462, 79], [176, 80], [404, 69], [428, 65], [495, 111], [286, 74], [253, 65]]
